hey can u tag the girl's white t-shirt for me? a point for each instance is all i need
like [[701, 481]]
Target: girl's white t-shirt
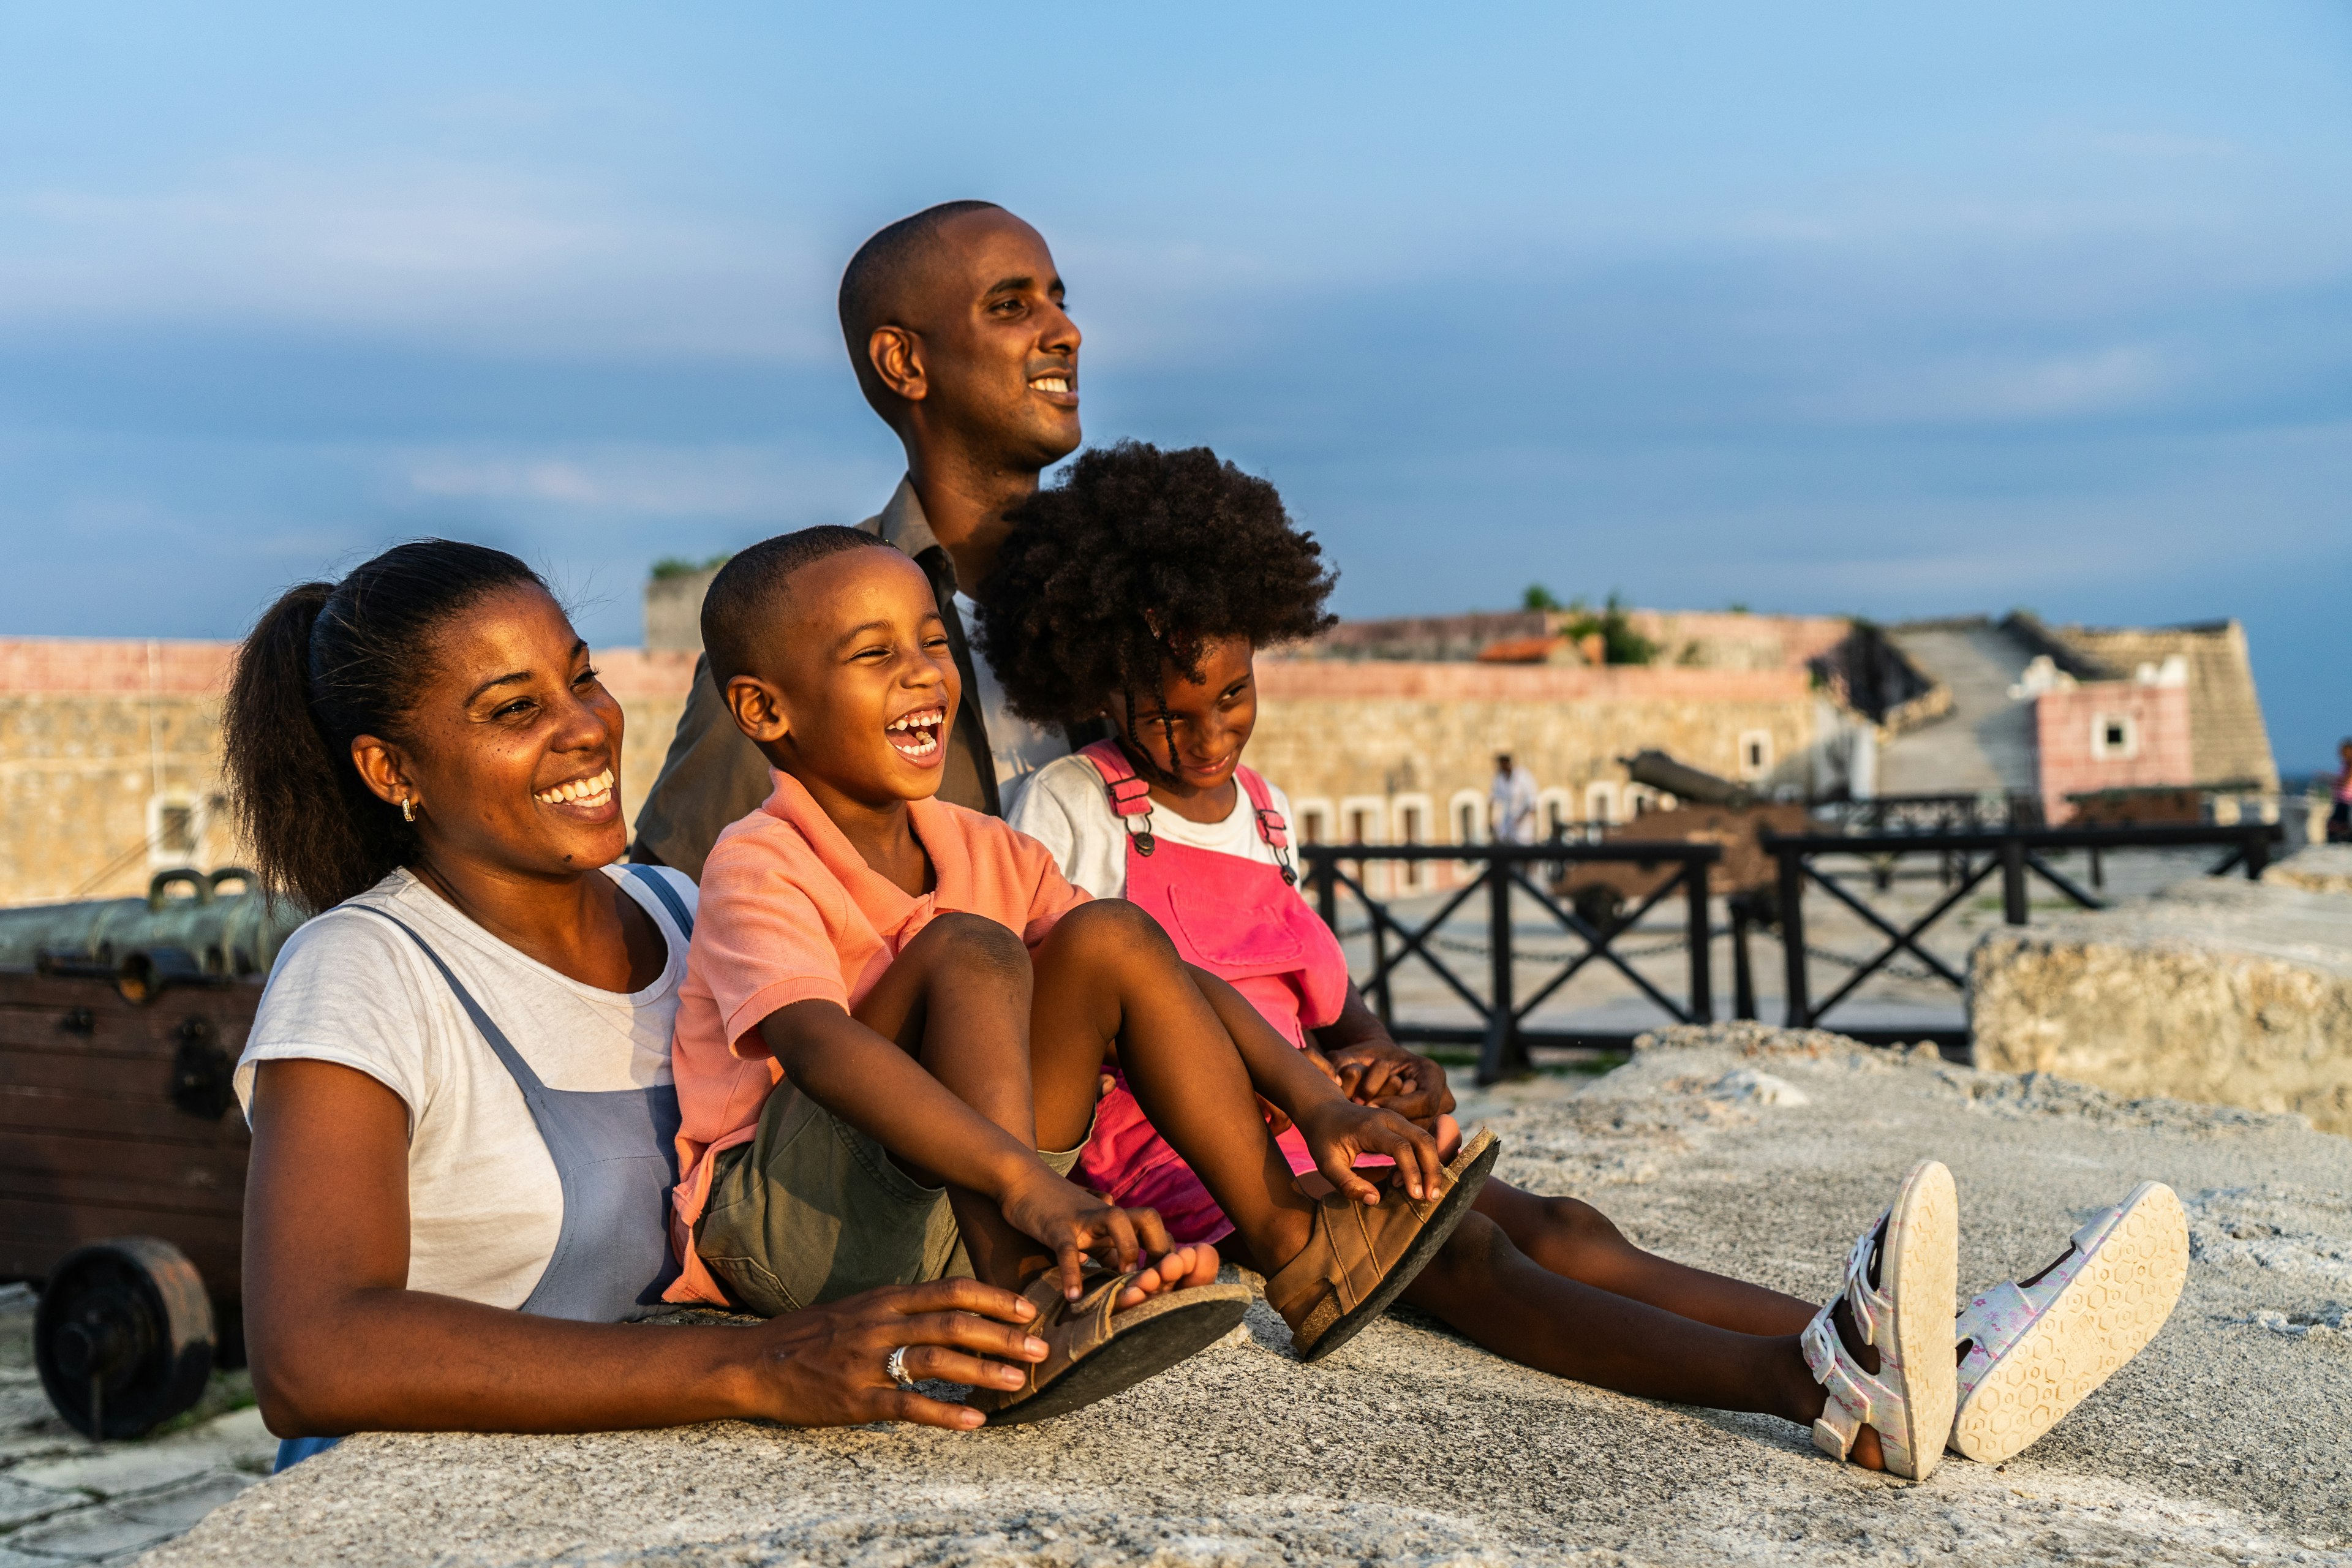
[[484, 1204], [1065, 807]]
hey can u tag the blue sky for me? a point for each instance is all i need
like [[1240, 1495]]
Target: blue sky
[[1835, 308]]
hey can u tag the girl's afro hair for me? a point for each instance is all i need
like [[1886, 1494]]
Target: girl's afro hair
[[1140, 556]]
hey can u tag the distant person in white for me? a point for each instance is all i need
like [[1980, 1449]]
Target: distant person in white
[[1511, 803]]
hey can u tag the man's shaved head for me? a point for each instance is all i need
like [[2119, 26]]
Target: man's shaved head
[[878, 286], [955, 325]]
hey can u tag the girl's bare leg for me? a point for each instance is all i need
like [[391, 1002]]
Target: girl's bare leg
[[1576, 1241], [1488, 1289]]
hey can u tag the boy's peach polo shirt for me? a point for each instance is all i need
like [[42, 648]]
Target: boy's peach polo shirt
[[789, 912]]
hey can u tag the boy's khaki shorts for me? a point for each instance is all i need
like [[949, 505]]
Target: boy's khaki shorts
[[812, 1210]]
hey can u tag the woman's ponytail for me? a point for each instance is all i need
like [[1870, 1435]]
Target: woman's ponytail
[[325, 664]]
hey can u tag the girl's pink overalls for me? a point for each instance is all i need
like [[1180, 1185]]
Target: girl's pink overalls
[[1238, 919]]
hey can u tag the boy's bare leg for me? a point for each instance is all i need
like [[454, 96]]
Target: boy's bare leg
[[978, 1048], [1489, 1291], [1110, 990], [1576, 1241], [976, 1044]]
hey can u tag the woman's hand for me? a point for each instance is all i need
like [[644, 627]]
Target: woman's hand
[[828, 1366], [1340, 1133], [1074, 1224]]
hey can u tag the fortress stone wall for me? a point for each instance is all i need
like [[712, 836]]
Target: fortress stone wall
[[109, 757]]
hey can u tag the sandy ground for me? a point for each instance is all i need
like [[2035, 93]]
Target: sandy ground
[[2229, 1440]]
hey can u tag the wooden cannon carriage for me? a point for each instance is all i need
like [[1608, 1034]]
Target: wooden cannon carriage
[[122, 1153]]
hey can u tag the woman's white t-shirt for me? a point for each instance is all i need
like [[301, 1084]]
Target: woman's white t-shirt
[[485, 1205], [1065, 807]]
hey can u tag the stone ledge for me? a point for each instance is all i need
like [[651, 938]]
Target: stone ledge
[[2228, 1440], [2214, 990]]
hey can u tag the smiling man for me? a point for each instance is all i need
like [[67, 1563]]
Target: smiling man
[[954, 322]]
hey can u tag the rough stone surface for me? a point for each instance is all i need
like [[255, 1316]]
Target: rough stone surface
[[2229, 1440], [2216, 990], [2314, 868]]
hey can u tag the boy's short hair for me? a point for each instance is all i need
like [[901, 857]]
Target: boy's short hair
[[747, 595]]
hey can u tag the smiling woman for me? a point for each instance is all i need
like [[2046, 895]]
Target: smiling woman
[[459, 1077]]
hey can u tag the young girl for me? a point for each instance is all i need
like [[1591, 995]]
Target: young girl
[[1137, 591]]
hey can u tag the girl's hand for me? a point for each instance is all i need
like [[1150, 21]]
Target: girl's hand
[[1074, 1224], [828, 1366], [1339, 1133], [1383, 1073]]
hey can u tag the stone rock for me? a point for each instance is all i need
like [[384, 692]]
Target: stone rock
[[2228, 1439], [2314, 868], [2217, 990]]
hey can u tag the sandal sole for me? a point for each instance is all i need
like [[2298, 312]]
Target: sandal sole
[[2105, 1316], [1151, 1336], [1476, 1163], [1920, 1269]]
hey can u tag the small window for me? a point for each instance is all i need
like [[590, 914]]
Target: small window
[[2115, 736], [1409, 823], [1755, 753], [175, 831], [1359, 826], [1310, 824], [1465, 822], [1600, 802]]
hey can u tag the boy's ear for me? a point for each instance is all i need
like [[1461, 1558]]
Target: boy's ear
[[758, 708]]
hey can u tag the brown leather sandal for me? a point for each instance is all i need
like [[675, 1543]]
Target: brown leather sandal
[[1364, 1255], [1094, 1351]]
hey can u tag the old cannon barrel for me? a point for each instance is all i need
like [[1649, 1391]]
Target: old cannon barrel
[[186, 930], [1696, 785]]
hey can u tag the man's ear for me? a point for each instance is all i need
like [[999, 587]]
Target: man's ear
[[896, 355], [758, 708]]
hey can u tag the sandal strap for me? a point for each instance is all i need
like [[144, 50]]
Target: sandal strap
[[1341, 1259], [1868, 1306], [1855, 1398], [1072, 1330]]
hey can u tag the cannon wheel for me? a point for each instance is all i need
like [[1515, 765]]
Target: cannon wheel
[[124, 1336], [1600, 906]]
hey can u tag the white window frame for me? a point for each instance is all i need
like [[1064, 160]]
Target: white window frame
[[1548, 802], [1375, 808], [2123, 751], [1600, 802], [1413, 875], [199, 810], [1377, 878], [1474, 802], [1315, 807]]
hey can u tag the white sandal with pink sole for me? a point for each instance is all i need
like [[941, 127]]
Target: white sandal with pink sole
[[2035, 1352], [1906, 1317]]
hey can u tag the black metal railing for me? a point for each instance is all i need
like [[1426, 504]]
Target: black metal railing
[[2017, 853], [1502, 1035]]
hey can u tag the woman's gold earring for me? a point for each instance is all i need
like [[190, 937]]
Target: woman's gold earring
[[407, 809]]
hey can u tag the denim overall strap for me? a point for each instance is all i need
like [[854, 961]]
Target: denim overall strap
[[615, 1154], [659, 885]]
